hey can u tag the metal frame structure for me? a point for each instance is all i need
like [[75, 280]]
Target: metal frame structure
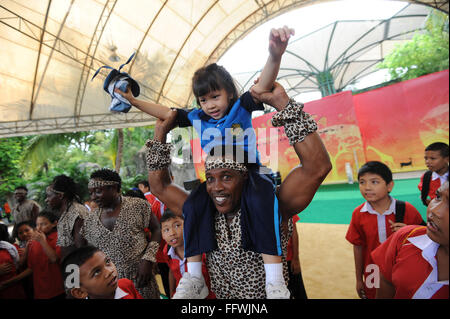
[[89, 62]]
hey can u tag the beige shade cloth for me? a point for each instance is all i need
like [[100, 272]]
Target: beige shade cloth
[[51, 49]]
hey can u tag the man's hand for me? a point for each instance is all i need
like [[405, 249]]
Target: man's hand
[[163, 127], [277, 98], [145, 273]]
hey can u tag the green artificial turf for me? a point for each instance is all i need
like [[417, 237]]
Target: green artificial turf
[[334, 204]]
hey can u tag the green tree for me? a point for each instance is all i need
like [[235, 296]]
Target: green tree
[[10, 172], [426, 53]]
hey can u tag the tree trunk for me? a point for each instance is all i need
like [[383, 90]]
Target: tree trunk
[[119, 149]]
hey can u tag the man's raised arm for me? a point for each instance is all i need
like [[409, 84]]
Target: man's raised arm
[[299, 187], [158, 161]]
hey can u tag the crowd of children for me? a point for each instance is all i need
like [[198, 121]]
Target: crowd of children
[[31, 266], [69, 250]]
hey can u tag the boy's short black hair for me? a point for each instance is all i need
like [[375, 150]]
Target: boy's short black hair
[[106, 174], [52, 217], [438, 146], [77, 257], [211, 78], [377, 168], [135, 193], [168, 214]]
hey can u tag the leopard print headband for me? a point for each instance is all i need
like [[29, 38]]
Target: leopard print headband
[[51, 189], [94, 183], [213, 163]]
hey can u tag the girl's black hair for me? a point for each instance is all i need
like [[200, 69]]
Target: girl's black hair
[[211, 78], [15, 232], [377, 168], [49, 215], [65, 184], [4, 234]]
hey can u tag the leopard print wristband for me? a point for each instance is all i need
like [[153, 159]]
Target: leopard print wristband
[[158, 155], [297, 123], [150, 251]]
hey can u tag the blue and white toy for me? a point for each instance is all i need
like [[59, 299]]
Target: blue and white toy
[[121, 81]]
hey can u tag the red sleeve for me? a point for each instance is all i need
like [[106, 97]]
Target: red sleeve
[[128, 286], [295, 218], [412, 215], [156, 209], [355, 234], [384, 256], [420, 183]]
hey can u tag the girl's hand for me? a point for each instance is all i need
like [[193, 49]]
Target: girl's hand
[[127, 95], [5, 268], [38, 236], [278, 41], [21, 251]]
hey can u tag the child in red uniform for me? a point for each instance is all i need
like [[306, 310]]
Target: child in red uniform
[[414, 262], [97, 276], [172, 233], [436, 159], [375, 220], [43, 258], [9, 261]]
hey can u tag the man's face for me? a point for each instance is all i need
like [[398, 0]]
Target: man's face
[[224, 186], [172, 231], [104, 196], [20, 195], [98, 277], [437, 217]]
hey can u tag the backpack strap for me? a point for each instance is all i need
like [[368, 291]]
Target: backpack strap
[[425, 186], [400, 208]]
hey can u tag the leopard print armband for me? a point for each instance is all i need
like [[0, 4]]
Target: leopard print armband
[[158, 155], [297, 123], [150, 251]]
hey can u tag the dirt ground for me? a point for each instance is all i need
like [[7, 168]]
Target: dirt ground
[[326, 260]]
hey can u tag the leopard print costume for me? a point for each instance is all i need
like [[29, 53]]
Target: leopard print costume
[[67, 221], [126, 244], [297, 123], [237, 273]]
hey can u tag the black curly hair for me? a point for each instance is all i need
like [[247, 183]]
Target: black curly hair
[[65, 184], [107, 174]]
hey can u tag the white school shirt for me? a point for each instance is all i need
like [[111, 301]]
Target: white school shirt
[[381, 220], [431, 285]]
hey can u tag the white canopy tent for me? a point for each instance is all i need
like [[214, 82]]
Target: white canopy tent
[[51, 49]]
